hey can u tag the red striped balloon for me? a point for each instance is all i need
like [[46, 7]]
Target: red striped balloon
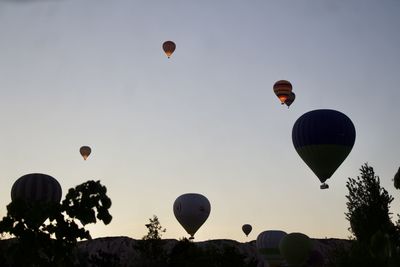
[[282, 89], [36, 187]]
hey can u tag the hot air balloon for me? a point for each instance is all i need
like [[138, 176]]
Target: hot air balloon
[[290, 99], [295, 248], [169, 48], [323, 138], [268, 246], [282, 90], [396, 180], [246, 228], [85, 151], [191, 210], [36, 187]]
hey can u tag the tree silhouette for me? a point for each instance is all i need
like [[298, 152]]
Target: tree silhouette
[[154, 229], [368, 206], [151, 245], [376, 237], [53, 242]]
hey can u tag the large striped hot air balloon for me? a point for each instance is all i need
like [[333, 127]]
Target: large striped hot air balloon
[[36, 187], [191, 210], [323, 138], [268, 246], [282, 90]]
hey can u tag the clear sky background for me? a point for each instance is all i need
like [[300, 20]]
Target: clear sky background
[[92, 72]]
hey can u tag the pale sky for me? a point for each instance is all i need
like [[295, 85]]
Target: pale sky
[[92, 72]]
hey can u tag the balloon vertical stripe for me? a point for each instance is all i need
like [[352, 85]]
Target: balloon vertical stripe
[[36, 187]]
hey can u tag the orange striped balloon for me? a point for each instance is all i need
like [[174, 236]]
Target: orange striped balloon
[[282, 89]]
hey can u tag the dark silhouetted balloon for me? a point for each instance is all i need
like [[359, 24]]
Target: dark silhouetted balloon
[[268, 246], [282, 90], [191, 210], [323, 138], [169, 48], [246, 228], [290, 99], [85, 151], [396, 180], [36, 187], [295, 248]]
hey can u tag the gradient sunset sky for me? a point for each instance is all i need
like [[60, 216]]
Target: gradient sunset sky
[[92, 72]]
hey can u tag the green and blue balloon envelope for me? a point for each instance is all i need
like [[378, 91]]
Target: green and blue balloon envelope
[[295, 248], [323, 138]]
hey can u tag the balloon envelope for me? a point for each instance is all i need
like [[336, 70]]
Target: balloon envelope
[[85, 151], [397, 180], [290, 99], [323, 138], [268, 245], [246, 228], [169, 48], [295, 248], [36, 187], [191, 210], [282, 90]]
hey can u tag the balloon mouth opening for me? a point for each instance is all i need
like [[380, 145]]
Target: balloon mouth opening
[[283, 98]]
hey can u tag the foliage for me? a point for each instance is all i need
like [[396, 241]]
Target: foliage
[[151, 245], [54, 240], [154, 229], [376, 237], [368, 202]]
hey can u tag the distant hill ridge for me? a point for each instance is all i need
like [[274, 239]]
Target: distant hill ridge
[[125, 247]]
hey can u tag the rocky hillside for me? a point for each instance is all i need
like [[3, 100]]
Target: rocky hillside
[[126, 249]]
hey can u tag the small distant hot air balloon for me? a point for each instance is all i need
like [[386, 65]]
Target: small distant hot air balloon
[[36, 187], [295, 248], [290, 99], [169, 48], [323, 139], [396, 180], [246, 228], [282, 90], [191, 210], [268, 246], [85, 151]]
